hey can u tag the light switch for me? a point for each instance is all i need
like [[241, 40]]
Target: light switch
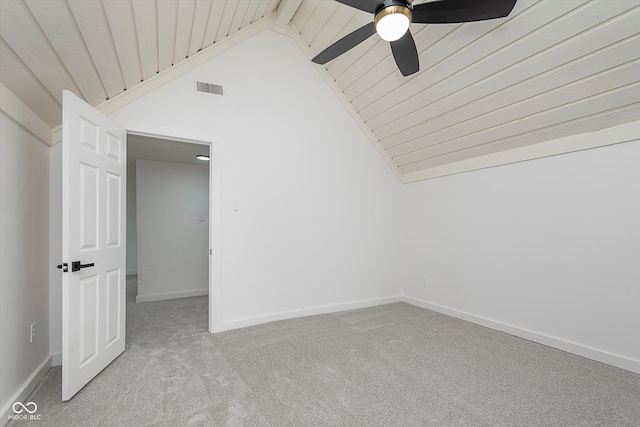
[[236, 204], [201, 217]]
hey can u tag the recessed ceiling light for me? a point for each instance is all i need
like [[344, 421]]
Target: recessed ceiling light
[[202, 157]]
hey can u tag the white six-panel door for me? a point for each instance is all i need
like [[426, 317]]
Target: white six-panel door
[[93, 229]]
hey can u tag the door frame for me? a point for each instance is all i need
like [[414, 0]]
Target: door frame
[[213, 145]]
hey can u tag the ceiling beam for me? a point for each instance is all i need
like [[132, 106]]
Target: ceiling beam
[[18, 111], [619, 134], [286, 10]]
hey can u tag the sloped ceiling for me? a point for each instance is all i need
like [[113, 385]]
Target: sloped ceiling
[[98, 49], [551, 69]]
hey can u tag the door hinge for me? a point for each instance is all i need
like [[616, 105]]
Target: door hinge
[[64, 266]]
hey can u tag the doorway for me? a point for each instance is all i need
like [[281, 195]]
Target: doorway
[[168, 228], [93, 223]]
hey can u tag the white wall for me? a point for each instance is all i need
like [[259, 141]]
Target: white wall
[[318, 206], [547, 249], [173, 241], [24, 259], [132, 227]]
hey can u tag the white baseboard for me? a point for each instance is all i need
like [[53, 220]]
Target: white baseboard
[[172, 295], [603, 356], [56, 359], [25, 390], [250, 321]]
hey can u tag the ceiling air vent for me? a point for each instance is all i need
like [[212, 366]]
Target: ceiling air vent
[[209, 88]]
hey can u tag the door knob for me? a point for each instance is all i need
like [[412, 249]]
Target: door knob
[[76, 266]]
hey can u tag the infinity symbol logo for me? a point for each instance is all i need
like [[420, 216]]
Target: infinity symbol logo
[[21, 408]]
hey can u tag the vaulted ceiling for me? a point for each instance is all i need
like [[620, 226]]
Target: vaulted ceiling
[[550, 69]]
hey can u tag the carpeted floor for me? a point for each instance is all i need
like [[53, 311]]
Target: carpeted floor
[[391, 365]]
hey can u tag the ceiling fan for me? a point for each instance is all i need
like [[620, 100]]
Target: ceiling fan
[[392, 19]]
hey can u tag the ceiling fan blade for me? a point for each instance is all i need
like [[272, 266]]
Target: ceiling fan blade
[[406, 55], [366, 5], [344, 44], [454, 11]]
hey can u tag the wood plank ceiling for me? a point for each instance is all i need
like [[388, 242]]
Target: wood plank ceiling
[[100, 48], [553, 68]]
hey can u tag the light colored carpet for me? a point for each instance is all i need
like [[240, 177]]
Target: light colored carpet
[[392, 365]]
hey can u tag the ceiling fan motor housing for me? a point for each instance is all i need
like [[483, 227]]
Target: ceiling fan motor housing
[[387, 3]]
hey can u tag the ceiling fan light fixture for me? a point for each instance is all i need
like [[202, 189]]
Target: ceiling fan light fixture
[[392, 22]]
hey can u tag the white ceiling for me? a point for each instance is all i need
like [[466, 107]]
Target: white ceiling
[[142, 147], [553, 68]]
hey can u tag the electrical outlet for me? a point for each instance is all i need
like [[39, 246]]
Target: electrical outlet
[[33, 332], [425, 282]]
